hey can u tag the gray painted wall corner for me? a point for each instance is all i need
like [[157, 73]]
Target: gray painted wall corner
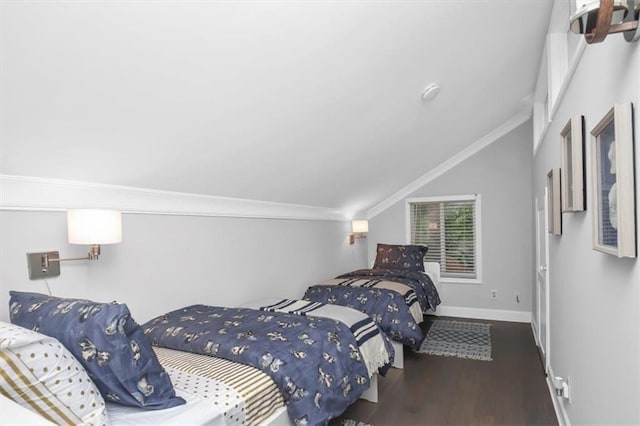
[[502, 174]]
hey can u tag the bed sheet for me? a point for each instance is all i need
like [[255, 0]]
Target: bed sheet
[[217, 391]]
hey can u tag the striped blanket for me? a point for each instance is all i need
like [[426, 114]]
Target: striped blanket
[[376, 350], [421, 283], [386, 307], [404, 290]]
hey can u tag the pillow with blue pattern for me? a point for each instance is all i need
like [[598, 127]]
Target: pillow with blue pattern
[[407, 257], [106, 340]]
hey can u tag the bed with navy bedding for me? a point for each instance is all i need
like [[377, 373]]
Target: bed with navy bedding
[[426, 294], [314, 361], [395, 292], [69, 359], [375, 348]]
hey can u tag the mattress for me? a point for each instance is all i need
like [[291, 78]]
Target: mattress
[[217, 391]]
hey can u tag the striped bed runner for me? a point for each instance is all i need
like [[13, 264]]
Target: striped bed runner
[[362, 330], [366, 332], [407, 292], [293, 306], [409, 295]]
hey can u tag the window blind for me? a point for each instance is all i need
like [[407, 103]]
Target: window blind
[[448, 229]]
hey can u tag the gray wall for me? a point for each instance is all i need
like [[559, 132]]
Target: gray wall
[[166, 262], [595, 299], [501, 174]]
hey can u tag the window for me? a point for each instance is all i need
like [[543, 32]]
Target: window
[[449, 227]]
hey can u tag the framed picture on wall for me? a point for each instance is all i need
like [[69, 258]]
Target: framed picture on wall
[[613, 183], [553, 202], [572, 171]]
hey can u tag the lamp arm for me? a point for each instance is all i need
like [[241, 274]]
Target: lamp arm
[[70, 258], [93, 254]]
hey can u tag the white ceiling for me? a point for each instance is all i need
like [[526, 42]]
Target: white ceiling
[[304, 102]]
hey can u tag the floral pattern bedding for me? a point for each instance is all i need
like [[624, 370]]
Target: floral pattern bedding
[[314, 361], [374, 345], [387, 308], [420, 282]]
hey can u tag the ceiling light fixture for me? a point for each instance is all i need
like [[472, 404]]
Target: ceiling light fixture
[[600, 18], [430, 92]]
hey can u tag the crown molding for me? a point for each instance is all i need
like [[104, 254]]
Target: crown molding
[[497, 133], [43, 194]]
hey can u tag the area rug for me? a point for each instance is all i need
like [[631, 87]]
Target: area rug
[[471, 340], [351, 422]]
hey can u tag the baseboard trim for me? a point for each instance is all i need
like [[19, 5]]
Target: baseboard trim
[[558, 405], [534, 330], [486, 314], [26, 193]]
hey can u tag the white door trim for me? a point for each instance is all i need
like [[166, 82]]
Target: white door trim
[[542, 276]]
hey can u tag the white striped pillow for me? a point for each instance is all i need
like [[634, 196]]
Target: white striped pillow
[[37, 372]]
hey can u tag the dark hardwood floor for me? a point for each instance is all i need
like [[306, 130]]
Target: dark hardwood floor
[[438, 390]]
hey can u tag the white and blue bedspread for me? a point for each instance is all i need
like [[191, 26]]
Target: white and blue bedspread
[[420, 282], [394, 298], [388, 308], [375, 347], [314, 361]]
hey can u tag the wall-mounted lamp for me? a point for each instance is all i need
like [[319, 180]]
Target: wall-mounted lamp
[[84, 226], [598, 19], [359, 228]]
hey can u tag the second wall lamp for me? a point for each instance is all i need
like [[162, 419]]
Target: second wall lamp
[[359, 229]]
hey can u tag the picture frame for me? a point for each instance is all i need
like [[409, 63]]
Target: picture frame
[[554, 212], [613, 183], [573, 170]]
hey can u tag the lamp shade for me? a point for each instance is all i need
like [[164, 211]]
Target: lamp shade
[[88, 226], [360, 226]]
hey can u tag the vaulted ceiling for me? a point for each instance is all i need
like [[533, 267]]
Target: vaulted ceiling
[[303, 102]]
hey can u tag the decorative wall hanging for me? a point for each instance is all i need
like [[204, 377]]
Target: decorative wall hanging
[[553, 202], [613, 183], [572, 172]]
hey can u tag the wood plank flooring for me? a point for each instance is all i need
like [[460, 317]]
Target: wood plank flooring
[[438, 390]]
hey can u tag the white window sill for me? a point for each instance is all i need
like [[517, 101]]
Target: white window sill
[[475, 281]]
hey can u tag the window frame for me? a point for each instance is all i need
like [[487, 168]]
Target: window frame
[[478, 236]]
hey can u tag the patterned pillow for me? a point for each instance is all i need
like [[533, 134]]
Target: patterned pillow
[[410, 258], [108, 343], [40, 374]]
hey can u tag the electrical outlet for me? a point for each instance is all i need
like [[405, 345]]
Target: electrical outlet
[[494, 294]]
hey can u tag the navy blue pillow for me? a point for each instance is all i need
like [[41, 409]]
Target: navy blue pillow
[[108, 343], [407, 257]]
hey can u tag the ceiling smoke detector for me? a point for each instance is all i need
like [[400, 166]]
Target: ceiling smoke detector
[[430, 92]]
